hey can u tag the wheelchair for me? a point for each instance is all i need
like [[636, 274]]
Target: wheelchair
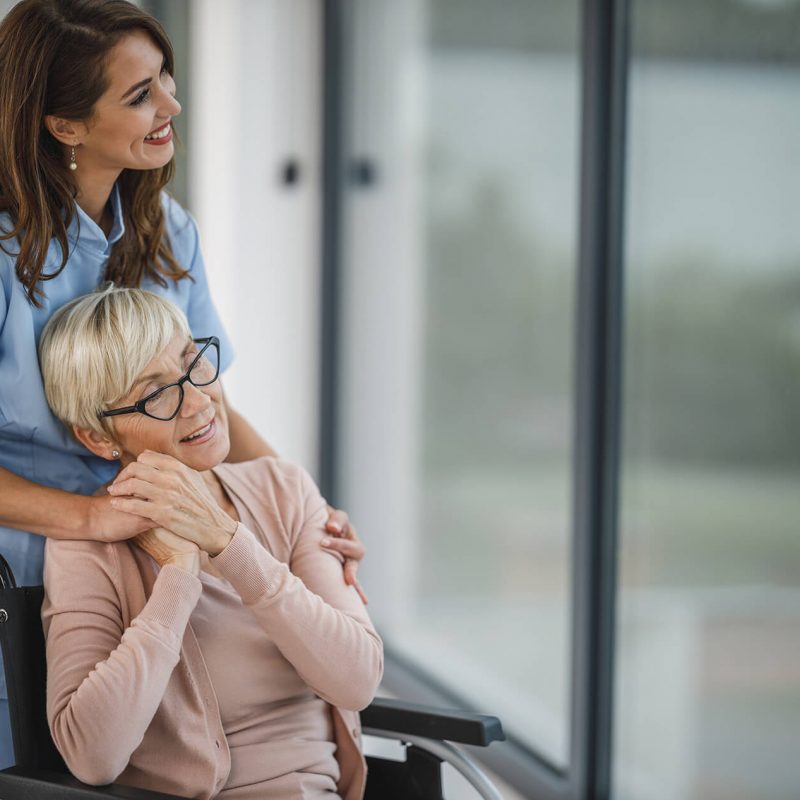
[[428, 735]]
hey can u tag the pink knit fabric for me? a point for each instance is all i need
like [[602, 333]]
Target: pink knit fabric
[[267, 708]]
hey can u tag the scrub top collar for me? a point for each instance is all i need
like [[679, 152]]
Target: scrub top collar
[[85, 231]]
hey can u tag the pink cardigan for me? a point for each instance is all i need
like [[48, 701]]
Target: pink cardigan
[[128, 695]]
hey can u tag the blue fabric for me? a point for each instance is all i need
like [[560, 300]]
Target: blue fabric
[[6, 745], [33, 443]]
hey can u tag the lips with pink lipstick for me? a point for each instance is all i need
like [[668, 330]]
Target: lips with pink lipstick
[[160, 135], [201, 435]]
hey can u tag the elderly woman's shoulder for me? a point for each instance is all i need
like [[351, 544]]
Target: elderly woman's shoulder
[[273, 474], [280, 490], [286, 487]]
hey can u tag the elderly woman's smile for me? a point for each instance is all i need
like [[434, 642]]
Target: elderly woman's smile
[[201, 435]]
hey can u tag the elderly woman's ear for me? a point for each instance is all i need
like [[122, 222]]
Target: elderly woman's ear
[[97, 442]]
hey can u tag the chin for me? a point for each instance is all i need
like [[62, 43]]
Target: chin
[[208, 455], [144, 161]]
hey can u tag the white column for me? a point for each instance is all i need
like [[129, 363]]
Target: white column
[[255, 101]]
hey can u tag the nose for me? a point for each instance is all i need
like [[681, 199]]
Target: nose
[[195, 400], [169, 106], [173, 107]]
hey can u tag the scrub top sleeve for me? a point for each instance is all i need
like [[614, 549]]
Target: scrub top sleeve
[[202, 313]]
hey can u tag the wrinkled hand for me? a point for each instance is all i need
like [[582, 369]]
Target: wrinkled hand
[[168, 548], [344, 540], [175, 497]]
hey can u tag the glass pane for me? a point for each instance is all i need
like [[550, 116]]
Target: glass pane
[[708, 689], [476, 316]]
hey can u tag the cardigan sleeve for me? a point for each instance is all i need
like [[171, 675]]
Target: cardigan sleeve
[[105, 682], [318, 622]]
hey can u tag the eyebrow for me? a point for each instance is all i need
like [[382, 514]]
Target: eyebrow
[[136, 86], [143, 83]]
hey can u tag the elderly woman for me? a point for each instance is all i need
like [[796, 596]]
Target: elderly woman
[[219, 654]]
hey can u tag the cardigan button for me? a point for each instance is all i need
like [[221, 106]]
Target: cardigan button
[[216, 742], [355, 732]]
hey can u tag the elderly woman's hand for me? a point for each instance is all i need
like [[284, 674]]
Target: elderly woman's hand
[[168, 548], [175, 497]]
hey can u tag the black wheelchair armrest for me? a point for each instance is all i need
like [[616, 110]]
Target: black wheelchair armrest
[[21, 783], [397, 716]]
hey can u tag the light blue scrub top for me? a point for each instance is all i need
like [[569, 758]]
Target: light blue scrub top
[[33, 443]]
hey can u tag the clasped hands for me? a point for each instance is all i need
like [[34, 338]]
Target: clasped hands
[[171, 512], [178, 500]]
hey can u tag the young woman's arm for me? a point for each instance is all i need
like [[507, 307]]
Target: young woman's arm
[[29, 506]]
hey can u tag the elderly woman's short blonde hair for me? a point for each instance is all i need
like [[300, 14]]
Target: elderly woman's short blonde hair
[[93, 349]]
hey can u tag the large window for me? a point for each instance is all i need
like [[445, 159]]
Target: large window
[[458, 273], [568, 356]]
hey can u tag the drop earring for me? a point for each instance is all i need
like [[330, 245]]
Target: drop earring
[[73, 164]]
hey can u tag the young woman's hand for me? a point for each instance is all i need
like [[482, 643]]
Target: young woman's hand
[[168, 548], [175, 497], [344, 540], [107, 524]]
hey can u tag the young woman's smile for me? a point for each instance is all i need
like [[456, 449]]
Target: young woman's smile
[[162, 135]]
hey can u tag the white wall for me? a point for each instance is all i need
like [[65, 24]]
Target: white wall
[[255, 100]]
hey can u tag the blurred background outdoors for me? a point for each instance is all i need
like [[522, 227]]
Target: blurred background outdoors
[[456, 356]]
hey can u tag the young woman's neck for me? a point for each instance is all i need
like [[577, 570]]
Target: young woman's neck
[[94, 189]]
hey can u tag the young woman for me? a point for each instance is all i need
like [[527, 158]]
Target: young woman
[[87, 103], [219, 654]]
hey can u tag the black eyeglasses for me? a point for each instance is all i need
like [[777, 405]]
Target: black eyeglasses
[[165, 403]]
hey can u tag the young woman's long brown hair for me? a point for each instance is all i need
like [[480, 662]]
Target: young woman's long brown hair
[[52, 61]]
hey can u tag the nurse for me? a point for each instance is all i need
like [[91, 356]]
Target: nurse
[[87, 101]]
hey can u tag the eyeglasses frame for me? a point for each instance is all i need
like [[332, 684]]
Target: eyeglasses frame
[[138, 406]]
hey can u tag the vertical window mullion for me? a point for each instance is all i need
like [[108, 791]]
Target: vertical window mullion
[[598, 389], [332, 187]]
